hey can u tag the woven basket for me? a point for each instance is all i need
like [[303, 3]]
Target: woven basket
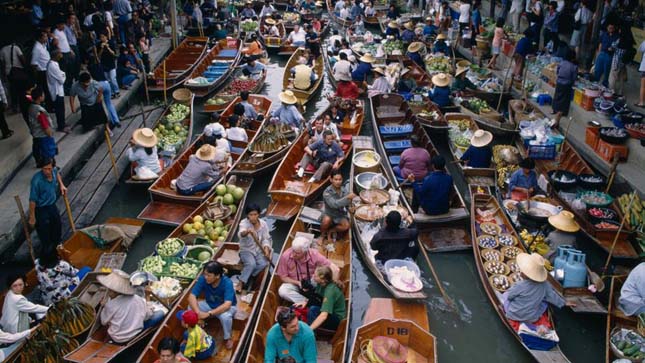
[[182, 95]]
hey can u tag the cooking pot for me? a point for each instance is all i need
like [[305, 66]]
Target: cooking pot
[[534, 208]]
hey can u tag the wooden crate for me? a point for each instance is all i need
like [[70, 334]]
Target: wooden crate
[[607, 151], [587, 102], [591, 137]]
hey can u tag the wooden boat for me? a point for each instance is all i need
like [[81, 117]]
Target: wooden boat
[[488, 202], [303, 95], [391, 110], [344, 23], [272, 43], [169, 207], [222, 55], [362, 237], [332, 342], [491, 121], [288, 193], [227, 94], [472, 175], [616, 319], [405, 322], [172, 72]]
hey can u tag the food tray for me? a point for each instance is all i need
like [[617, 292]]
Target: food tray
[[179, 253], [511, 252], [504, 278], [363, 213], [608, 199], [506, 239], [490, 228], [396, 130], [374, 196], [166, 268], [487, 241], [112, 261], [490, 265], [397, 145], [490, 254]]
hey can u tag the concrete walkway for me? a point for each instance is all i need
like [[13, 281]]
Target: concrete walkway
[[19, 167]]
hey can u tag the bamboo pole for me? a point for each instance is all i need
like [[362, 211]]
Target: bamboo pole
[[508, 69], [612, 173], [69, 213], [436, 278], [165, 91], [25, 227], [145, 80], [620, 229], [109, 145]]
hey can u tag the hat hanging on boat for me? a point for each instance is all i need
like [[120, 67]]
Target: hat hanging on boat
[[288, 97], [441, 79], [389, 350], [367, 58], [532, 266], [206, 152], [564, 221], [379, 70], [409, 25], [393, 24], [145, 137], [415, 47], [269, 21], [441, 36], [117, 281], [461, 70], [481, 138]]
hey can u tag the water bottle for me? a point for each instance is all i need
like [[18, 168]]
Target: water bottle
[[575, 271]]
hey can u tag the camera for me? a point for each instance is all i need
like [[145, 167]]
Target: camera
[[306, 284]]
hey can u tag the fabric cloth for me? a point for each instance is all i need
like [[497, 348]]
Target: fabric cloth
[[302, 347], [497, 37], [63, 43], [197, 171], [464, 13], [478, 157], [297, 37], [124, 316], [140, 156], [379, 86], [525, 300], [562, 98], [440, 96], [48, 226], [518, 179], [407, 36], [333, 301], [55, 283], [362, 71], [632, 294], [331, 323], [336, 203], [289, 115], [10, 56], [415, 161], [551, 21], [11, 338], [395, 245], [524, 46], [197, 341], [215, 296], [39, 121], [15, 318], [225, 318], [342, 68], [253, 265], [303, 76], [434, 193]]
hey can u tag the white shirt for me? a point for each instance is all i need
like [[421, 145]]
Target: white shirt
[[274, 31], [13, 306], [464, 13], [560, 6], [641, 49], [379, 86], [63, 44], [344, 14], [55, 79], [6, 57], [583, 15], [334, 129], [342, 67], [40, 56], [299, 36], [340, 5], [517, 6], [9, 338], [237, 134], [140, 156], [348, 52], [125, 315], [266, 10], [88, 20]]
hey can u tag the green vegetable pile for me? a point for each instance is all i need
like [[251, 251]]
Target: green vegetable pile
[[461, 141], [172, 133], [476, 105], [153, 264], [630, 344], [170, 247], [185, 270], [438, 64], [249, 26], [390, 46]]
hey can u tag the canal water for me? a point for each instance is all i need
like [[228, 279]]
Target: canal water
[[475, 333]]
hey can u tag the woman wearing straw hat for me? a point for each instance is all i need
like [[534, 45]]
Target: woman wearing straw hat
[[288, 113], [479, 153], [440, 45], [440, 93], [564, 233], [364, 68], [272, 30], [380, 84], [392, 29], [143, 153], [461, 82], [203, 170], [408, 32], [413, 53]]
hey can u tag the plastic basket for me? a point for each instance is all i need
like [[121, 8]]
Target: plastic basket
[[402, 263], [181, 252], [394, 159], [541, 152], [397, 146]]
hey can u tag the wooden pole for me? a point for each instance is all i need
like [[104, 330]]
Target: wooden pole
[[109, 145], [508, 69], [620, 229], [69, 213], [25, 227], [165, 91], [145, 80], [257, 243], [173, 22], [436, 278], [612, 172]]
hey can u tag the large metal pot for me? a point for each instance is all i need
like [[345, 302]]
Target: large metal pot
[[537, 211]]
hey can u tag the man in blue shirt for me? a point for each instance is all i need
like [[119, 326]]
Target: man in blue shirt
[[433, 194], [325, 154], [249, 110], [288, 113], [290, 338], [219, 298], [364, 68], [523, 182], [429, 29], [440, 45], [43, 213], [408, 33], [253, 69], [355, 10], [602, 67]]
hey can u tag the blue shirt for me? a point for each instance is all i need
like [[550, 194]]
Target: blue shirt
[[478, 157], [523, 46], [361, 71], [606, 41], [440, 96], [407, 36], [518, 179], [393, 32], [255, 71], [302, 347], [429, 29], [441, 47], [434, 193], [215, 296], [477, 18], [416, 58], [249, 110], [288, 114], [355, 11], [44, 192], [328, 153]]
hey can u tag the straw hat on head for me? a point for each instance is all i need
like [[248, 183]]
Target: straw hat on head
[[379, 70], [367, 58], [269, 21], [441, 79], [389, 350], [532, 266], [429, 18], [145, 137], [409, 25], [393, 24], [206, 152], [460, 70], [288, 97], [117, 281], [564, 221], [481, 138], [441, 36], [415, 47]]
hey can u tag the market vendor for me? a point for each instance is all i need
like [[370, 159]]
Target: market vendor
[[248, 12], [204, 169], [272, 30], [523, 48], [392, 30], [523, 182], [392, 12], [434, 192], [325, 155], [12, 341], [564, 233], [440, 93], [567, 74], [380, 85], [336, 199], [267, 10], [430, 28], [254, 47], [288, 113], [255, 245], [346, 88], [394, 242], [303, 75], [364, 68], [440, 45], [479, 153], [296, 269], [45, 187], [408, 32], [413, 54], [632, 294], [414, 160], [461, 82], [143, 152]]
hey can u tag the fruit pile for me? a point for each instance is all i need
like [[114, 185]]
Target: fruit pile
[[153, 264], [172, 132], [436, 64], [170, 247], [249, 25], [477, 105], [238, 85], [216, 101], [270, 140]]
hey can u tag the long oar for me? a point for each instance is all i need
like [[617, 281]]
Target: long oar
[[25, 226], [257, 243], [622, 224], [145, 79], [109, 145], [436, 278], [69, 213]]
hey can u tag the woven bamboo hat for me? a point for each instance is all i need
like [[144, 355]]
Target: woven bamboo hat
[[206, 152], [145, 137], [393, 24], [409, 25], [481, 138], [441, 79], [415, 47], [564, 221], [379, 70], [288, 97], [532, 266], [367, 58], [441, 36], [269, 21], [117, 281], [460, 70], [389, 350]]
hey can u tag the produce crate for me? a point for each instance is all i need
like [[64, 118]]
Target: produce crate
[[591, 136], [587, 102], [541, 152], [607, 151], [549, 74], [111, 260]]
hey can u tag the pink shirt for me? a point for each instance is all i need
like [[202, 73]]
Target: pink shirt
[[298, 270], [414, 160], [497, 37]]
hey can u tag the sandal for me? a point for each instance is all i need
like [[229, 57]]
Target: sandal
[[639, 105]]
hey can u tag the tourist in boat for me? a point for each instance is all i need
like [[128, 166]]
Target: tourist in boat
[[342, 68], [523, 182], [204, 168], [11, 341], [316, 130], [296, 268], [369, 9], [288, 113], [255, 245], [337, 115], [219, 299], [169, 351], [408, 32], [249, 110], [215, 135], [57, 278], [364, 68], [414, 160], [358, 26], [125, 313], [234, 132], [267, 10], [290, 340], [143, 152], [272, 30], [392, 30], [303, 76], [330, 309], [90, 96], [433, 194], [632, 294], [325, 155], [313, 41], [45, 187], [248, 12], [254, 48], [16, 309], [329, 125], [197, 344], [440, 45], [564, 233], [394, 242], [340, 5], [461, 82], [380, 85], [346, 88], [567, 74], [253, 68], [41, 127], [297, 37], [413, 53], [479, 153], [337, 199], [440, 93], [345, 13]]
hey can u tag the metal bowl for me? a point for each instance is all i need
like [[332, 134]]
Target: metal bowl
[[365, 179], [535, 210], [141, 278]]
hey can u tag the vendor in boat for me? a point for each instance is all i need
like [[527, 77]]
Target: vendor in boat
[[479, 153], [380, 85], [336, 199], [249, 110], [461, 82], [267, 10], [290, 340], [413, 54], [303, 76], [406, 84], [288, 113], [255, 245], [364, 68], [248, 12], [296, 268], [433, 194], [219, 33], [169, 351], [143, 152], [440, 45], [254, 47], [440, 93], [564, 233], [342, 68], [632, 294], [12, 341], [346, 88], [16, 308], [234, 132], [297, 37], [45, 187], [523, 182], [430, 29], [325, 155], [394, 242], [392, 12], [272, 30], [329, 309], [528, 300], [414, 160], [408, 32], [125, 313], [392, 30], [203, 170]]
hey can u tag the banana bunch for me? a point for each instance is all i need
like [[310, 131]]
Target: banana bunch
[[531, 239], [47, 346], [71, 316], [635, 215], [504, 173]]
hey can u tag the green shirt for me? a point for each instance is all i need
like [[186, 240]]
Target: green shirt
[[333, 300]]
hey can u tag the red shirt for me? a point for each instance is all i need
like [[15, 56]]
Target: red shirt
[[347, 90]]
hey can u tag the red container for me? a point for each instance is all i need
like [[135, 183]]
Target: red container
[[607, 151], [587, 102], [591, 137]]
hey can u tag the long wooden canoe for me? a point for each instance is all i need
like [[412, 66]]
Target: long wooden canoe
[[328, 66], [616, 318], [333, 341], [172, 71], [488, 202], [303, 96], [492, 121], [222, 59], [391, 112], [288, 192], [228, 94], [272, 43], [405, 322]]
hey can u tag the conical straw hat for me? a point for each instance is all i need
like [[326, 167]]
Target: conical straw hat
[[532, 266], [564, 221], [117, 281]]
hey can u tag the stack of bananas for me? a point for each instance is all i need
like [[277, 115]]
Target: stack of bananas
[[48, 345], [70, 316], [504, 169], [635, 215]]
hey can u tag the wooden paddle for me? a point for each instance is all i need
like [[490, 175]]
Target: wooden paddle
[[25, 226], [109, 145], [620, 229], [69, 213], [257, 243]]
